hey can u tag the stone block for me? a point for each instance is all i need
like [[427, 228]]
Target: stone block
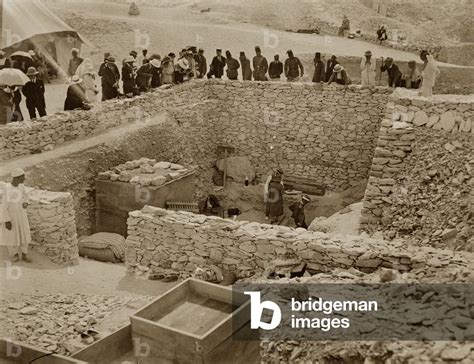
[[447, 120], [420, 118]]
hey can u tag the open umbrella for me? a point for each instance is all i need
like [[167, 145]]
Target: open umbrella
[[21, 54], [12, 77]]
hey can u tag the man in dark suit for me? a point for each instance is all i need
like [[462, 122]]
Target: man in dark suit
[[217, 65], [34, 93], [110, 76], [394, 73]]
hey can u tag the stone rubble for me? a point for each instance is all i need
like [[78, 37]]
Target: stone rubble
[[421, 179], [146, 172], [54, 322]]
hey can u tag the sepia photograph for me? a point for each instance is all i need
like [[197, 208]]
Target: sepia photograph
[[237, 181]]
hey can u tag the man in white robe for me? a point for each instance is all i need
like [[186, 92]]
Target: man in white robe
[[15, 227], [367, 68], [429, 74]]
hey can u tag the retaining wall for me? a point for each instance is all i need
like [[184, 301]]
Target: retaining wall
[[326, 133], [53, 228], [180, 241]]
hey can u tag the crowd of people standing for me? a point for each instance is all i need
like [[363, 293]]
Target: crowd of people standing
[[140, 73]]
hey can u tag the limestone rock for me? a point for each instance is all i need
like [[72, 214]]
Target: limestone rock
[[420, 118], [238, 168], [447, 120]]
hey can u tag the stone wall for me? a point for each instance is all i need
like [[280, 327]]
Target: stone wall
[[23, 138], [422, 173], [163, 239], [53, 227], [326, 133]]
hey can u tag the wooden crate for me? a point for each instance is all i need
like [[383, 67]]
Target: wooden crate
[[116, 348], [195, 322], [15, 352]]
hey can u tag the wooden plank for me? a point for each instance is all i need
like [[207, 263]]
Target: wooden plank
[[164, 337], [109, 348], [164, 303], [225, 329], [154, 352], [232, 351], [197, 315], [23, 353]]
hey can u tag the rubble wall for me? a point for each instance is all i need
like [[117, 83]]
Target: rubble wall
[[422, 174], [53, 228], [181, 241], [327, 133]]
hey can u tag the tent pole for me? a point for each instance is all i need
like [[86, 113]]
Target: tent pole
[[1, 22]]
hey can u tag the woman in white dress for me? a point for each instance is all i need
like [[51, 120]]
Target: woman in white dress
[[87, 73], [16, 233]]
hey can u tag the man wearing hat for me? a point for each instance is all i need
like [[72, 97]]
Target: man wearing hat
[[298, 213], [217, 65], [34, 94], [76, 95], [394, 74], [110, 76], [340, 76], [156, 70], [367, 68], [260, 66], [232, 66], [128, 77], [275, 69], [74, 62], [245, 64], [319, 74], [293, 67], [13, 217], [201, 63]]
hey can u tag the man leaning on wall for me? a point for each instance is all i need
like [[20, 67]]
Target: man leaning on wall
[[15, 229]]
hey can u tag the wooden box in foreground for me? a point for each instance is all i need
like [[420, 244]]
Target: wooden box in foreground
[[195, 322]]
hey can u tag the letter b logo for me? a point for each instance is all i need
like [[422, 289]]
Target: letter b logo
[[256, 311]]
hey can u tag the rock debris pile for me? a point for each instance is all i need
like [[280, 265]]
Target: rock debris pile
[[55, 322], [146, 172]]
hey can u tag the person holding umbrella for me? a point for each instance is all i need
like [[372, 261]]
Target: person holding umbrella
[[34, 93], [12, 80]]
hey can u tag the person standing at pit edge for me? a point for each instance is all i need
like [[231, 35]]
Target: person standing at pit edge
[[15, 226], [293, 67], [367, 68], [260, 66], [34, 94]]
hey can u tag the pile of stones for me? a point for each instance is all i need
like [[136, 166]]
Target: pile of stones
[[55, 322], [146, 172]]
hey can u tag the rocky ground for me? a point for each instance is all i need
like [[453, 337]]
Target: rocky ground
[[55, 322], [370, 352]]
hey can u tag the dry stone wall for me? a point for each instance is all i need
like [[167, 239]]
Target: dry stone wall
[[420, 184], [23, 138], [53, 228], [326, 133], [181, 241]]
